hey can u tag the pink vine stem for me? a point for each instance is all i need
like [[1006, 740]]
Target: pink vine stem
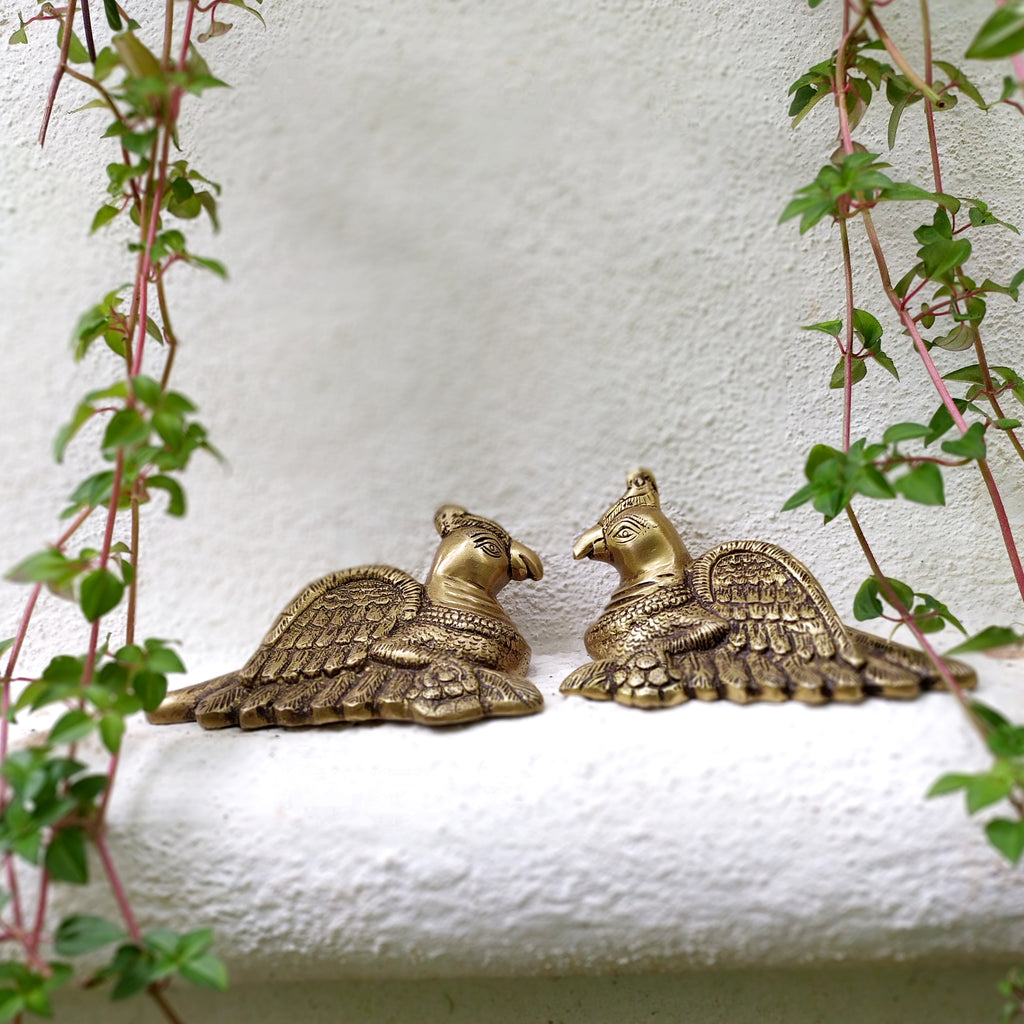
[[145, 271]]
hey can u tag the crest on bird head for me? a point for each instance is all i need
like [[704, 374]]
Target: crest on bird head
[[449, 518], [641, 489]]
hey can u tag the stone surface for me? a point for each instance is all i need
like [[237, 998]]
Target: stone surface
[[590, 838]]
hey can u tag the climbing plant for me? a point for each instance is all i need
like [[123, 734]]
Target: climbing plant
[[53, 803], [939, 303]]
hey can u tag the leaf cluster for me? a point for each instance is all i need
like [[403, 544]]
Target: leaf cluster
[[54, 800], [835, 476], [868, 331], [23, 990], [160, 955], [1004, 781], [928, 612], [856, 182]]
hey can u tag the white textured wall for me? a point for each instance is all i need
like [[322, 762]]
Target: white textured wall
[[491, 253], [495, 253]]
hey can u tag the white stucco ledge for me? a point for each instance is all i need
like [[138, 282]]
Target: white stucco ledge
[[590, 838]]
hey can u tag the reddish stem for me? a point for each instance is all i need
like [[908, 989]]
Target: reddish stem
[[117, 887], [848, 348], [37, 929], [840, 85], [908, 620], [947, 400], [65, 49], [929, 111]]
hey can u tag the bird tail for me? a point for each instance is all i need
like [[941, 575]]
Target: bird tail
[[446, 692]]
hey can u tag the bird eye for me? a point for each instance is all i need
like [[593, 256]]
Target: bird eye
[[624, 532], [490, 548]]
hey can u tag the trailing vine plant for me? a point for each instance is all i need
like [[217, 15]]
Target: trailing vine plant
[[53, 805], [940, 302]]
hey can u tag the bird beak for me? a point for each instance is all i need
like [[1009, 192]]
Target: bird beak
[[524, 564], [591, 545]]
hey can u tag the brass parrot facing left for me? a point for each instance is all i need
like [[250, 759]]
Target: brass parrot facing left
[[373, 643]]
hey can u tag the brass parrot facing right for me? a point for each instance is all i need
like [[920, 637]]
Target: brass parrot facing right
[[745, 621]]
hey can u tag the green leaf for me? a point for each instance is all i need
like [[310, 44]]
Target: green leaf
[[944, 255], [82, 933], [960, 81], [83, 413], [87, 789], [147, 390], [922, 484], [176, 505], [885, 362], [11, 1002], [1007, 742], [989, 717], [215, 266], [868, 327], [66, 857], [872, 484], [206, 971], [77, 53], [832, 327], [858, 371], [113, 15], [104, 215], [898, 107], [991, 636], [6, 645], [970, 445], [1007, 837], [941, 422], [985, 790], [151, 688], [71, 726], [170, 427], [949, 784], [94, 490], [903, 592], [126, 427], [18, 36], [962, 336], [904, 432], [973, 374], [43, 567], [101, 592], [866, 604], [111, 730], [1002, 34]]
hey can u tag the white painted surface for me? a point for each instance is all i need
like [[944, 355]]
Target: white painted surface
[[590, 838], [498, 254]]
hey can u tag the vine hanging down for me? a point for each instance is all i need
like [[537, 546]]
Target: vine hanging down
[[53, 805], [940, 303]]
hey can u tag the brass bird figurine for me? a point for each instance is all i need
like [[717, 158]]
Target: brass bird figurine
[[373, 643], [746, 622]]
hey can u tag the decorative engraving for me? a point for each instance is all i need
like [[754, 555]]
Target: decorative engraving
[[745, 622], [373, 643]]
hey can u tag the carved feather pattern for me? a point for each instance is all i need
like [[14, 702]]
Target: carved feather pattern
[[326, 659], [768, 633], [355, 606]]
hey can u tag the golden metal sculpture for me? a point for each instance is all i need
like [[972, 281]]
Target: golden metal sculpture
[[373, 643], [746, 622]]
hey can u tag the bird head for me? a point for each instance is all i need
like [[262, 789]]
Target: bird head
[[635, 536], [476, 557]]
